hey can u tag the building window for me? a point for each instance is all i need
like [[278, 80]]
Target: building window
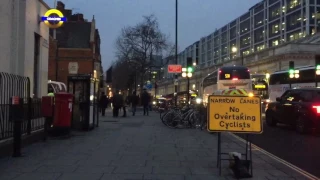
[[272, 1], [293, 21], [224, 49], [203, 58], [245, 41], [258, 19], [274, 11], [259, 35], [296, 35], [274, 28], [260, 47], [209, 56], [216, 41], [246, 52], [245, 26], [274, 42], [216, 53], [233, 33], [209, 44], [293, 4], [224, 37]]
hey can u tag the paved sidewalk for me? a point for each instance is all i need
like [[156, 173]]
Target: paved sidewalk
[[134, 148]]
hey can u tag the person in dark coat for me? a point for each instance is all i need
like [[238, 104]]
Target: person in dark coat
[[117, 102], [103, 103], [134, 100], [145, 100]]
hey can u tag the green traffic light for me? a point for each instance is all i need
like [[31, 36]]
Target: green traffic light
[[318, 67], [291, 71], [190, 69]]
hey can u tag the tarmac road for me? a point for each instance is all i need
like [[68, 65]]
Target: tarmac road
[[302, 151]]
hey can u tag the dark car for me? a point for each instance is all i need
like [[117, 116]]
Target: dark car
[[299, 108]]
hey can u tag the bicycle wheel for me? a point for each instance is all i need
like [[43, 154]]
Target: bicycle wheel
[[204, 123], [163, 114], [169, 121], [195, 119]]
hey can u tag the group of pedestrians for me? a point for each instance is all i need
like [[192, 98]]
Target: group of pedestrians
[[118, 103]]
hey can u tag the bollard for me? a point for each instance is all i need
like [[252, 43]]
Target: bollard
[[16, 111]]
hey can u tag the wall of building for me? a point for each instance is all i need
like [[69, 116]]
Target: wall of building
[[19, 20], [83, 57], [5, 35], [34, 10]]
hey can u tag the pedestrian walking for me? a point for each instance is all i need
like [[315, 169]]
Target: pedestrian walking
[[145, 101], [103, 103], [134, 100], [117, 102]]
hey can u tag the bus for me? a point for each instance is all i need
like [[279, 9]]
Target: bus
[[260, 86], [280, 82], [226, 77]]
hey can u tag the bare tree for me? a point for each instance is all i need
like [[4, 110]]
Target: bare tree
[[139, 43], [121, 75]]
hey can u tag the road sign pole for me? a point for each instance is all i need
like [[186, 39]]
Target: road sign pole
[[244, 108], [188, 89]]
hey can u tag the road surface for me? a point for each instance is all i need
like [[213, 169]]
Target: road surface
[[302, 151]]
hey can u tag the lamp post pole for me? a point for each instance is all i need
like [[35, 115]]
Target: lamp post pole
[[176, 58]]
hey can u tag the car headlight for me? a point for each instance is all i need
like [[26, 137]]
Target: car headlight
[[153, 102], [250, 95], [268, 100], [198, 100]]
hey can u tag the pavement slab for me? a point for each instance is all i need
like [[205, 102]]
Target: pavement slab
[[136, 148]]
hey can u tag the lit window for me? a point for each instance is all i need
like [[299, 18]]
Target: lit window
[[275, 43]]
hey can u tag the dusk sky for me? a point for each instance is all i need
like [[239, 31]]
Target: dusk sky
[[197, 18]]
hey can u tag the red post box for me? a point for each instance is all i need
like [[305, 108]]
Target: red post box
[[47, 104], [63, 110]]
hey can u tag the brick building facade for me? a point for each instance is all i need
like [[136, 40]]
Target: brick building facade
[[76, 49]]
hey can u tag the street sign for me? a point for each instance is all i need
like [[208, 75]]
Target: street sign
[[174, 68], [237, 114]]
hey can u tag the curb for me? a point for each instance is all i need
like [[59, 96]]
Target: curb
[[293, 167]]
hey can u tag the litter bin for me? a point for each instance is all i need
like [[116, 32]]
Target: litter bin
[[62, 113]]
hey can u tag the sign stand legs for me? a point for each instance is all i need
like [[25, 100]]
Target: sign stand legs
[[248, 150]]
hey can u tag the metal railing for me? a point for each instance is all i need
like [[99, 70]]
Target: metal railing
[[14, 85]]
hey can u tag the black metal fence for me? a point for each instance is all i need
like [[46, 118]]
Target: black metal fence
[[14, 85]]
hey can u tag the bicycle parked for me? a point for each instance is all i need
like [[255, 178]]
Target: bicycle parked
[[186, 117]]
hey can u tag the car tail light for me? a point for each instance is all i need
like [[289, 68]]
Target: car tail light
[[235, 79], [220, 71], [317, 108]]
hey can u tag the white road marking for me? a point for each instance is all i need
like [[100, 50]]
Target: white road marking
[[295, 168]]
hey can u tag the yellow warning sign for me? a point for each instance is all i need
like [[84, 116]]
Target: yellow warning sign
[[237, 114]]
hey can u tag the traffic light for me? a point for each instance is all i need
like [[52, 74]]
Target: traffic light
[[292, 72], [291, 69], [317, 65], [189, 62]]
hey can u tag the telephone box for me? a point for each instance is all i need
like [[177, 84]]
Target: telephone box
[[62, 111], [85, 89]]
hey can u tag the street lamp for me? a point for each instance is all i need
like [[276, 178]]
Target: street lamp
[[234, 50], [176, 57]]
